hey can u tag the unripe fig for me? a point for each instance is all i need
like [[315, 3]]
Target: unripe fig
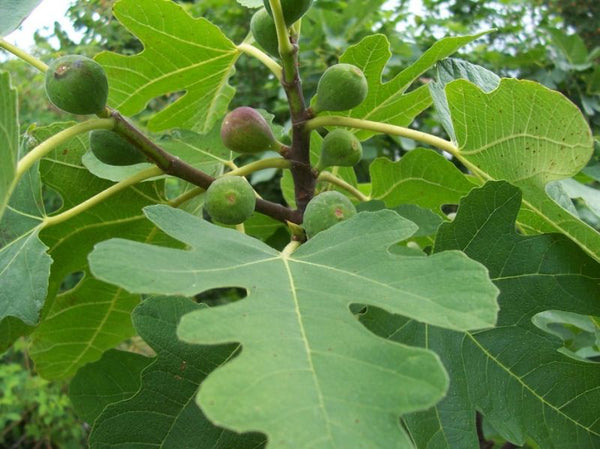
[[244, 130], [112, 149], [264, 32], [342, 87], [230, 200], [340, 147], [326, 210], [292, 9], [77, 84]]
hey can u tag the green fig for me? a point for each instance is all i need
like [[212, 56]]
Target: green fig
[[341, 148], [264, 32], [341, 87], [230, 200], [77, 84], [326, 210], [292, 9], [244, 130], [112, 149]]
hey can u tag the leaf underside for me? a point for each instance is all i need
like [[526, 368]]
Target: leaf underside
[[321, 378]]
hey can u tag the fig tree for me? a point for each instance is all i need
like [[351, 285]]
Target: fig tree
[[341, 87], [77, 84], [292, 9], [230, 200], [244, 130], [340, 147], [326, 210], [264, 32], [112, 149]]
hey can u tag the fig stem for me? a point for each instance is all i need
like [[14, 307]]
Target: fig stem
[[174, 166], [419, 136], [275, 162], [178, 201], [283, 38], [42, 67], [102, 196], [57, 139], [270, 63], [290, 248], [240, 228], [326, 176], [299, 152]]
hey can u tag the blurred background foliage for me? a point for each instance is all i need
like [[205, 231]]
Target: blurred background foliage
[[554, 42]]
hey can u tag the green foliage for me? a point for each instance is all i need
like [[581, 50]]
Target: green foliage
[[176, 372], [410, 298], [77, 84], [326, 210], [230, 200], [33, 411]]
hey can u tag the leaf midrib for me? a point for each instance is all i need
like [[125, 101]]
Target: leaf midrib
[[307, 349], [526, 386]]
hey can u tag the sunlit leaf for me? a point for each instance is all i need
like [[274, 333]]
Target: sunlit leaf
[[526, 134], [180, 54]]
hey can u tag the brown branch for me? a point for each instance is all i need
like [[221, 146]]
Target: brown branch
[[483, 443], [299, 154], [176, 167]]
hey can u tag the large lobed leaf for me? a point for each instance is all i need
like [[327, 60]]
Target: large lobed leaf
[[321, 378], [528, 135], [180, 54], [513, 374]]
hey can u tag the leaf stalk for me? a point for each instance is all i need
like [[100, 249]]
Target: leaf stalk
[[102, 196], [384, 128], [326, 176], [268, 62], [31, 60]]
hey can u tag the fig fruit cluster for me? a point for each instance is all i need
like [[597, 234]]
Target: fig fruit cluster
[[325, 210], [230, 200], [77, 84]]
